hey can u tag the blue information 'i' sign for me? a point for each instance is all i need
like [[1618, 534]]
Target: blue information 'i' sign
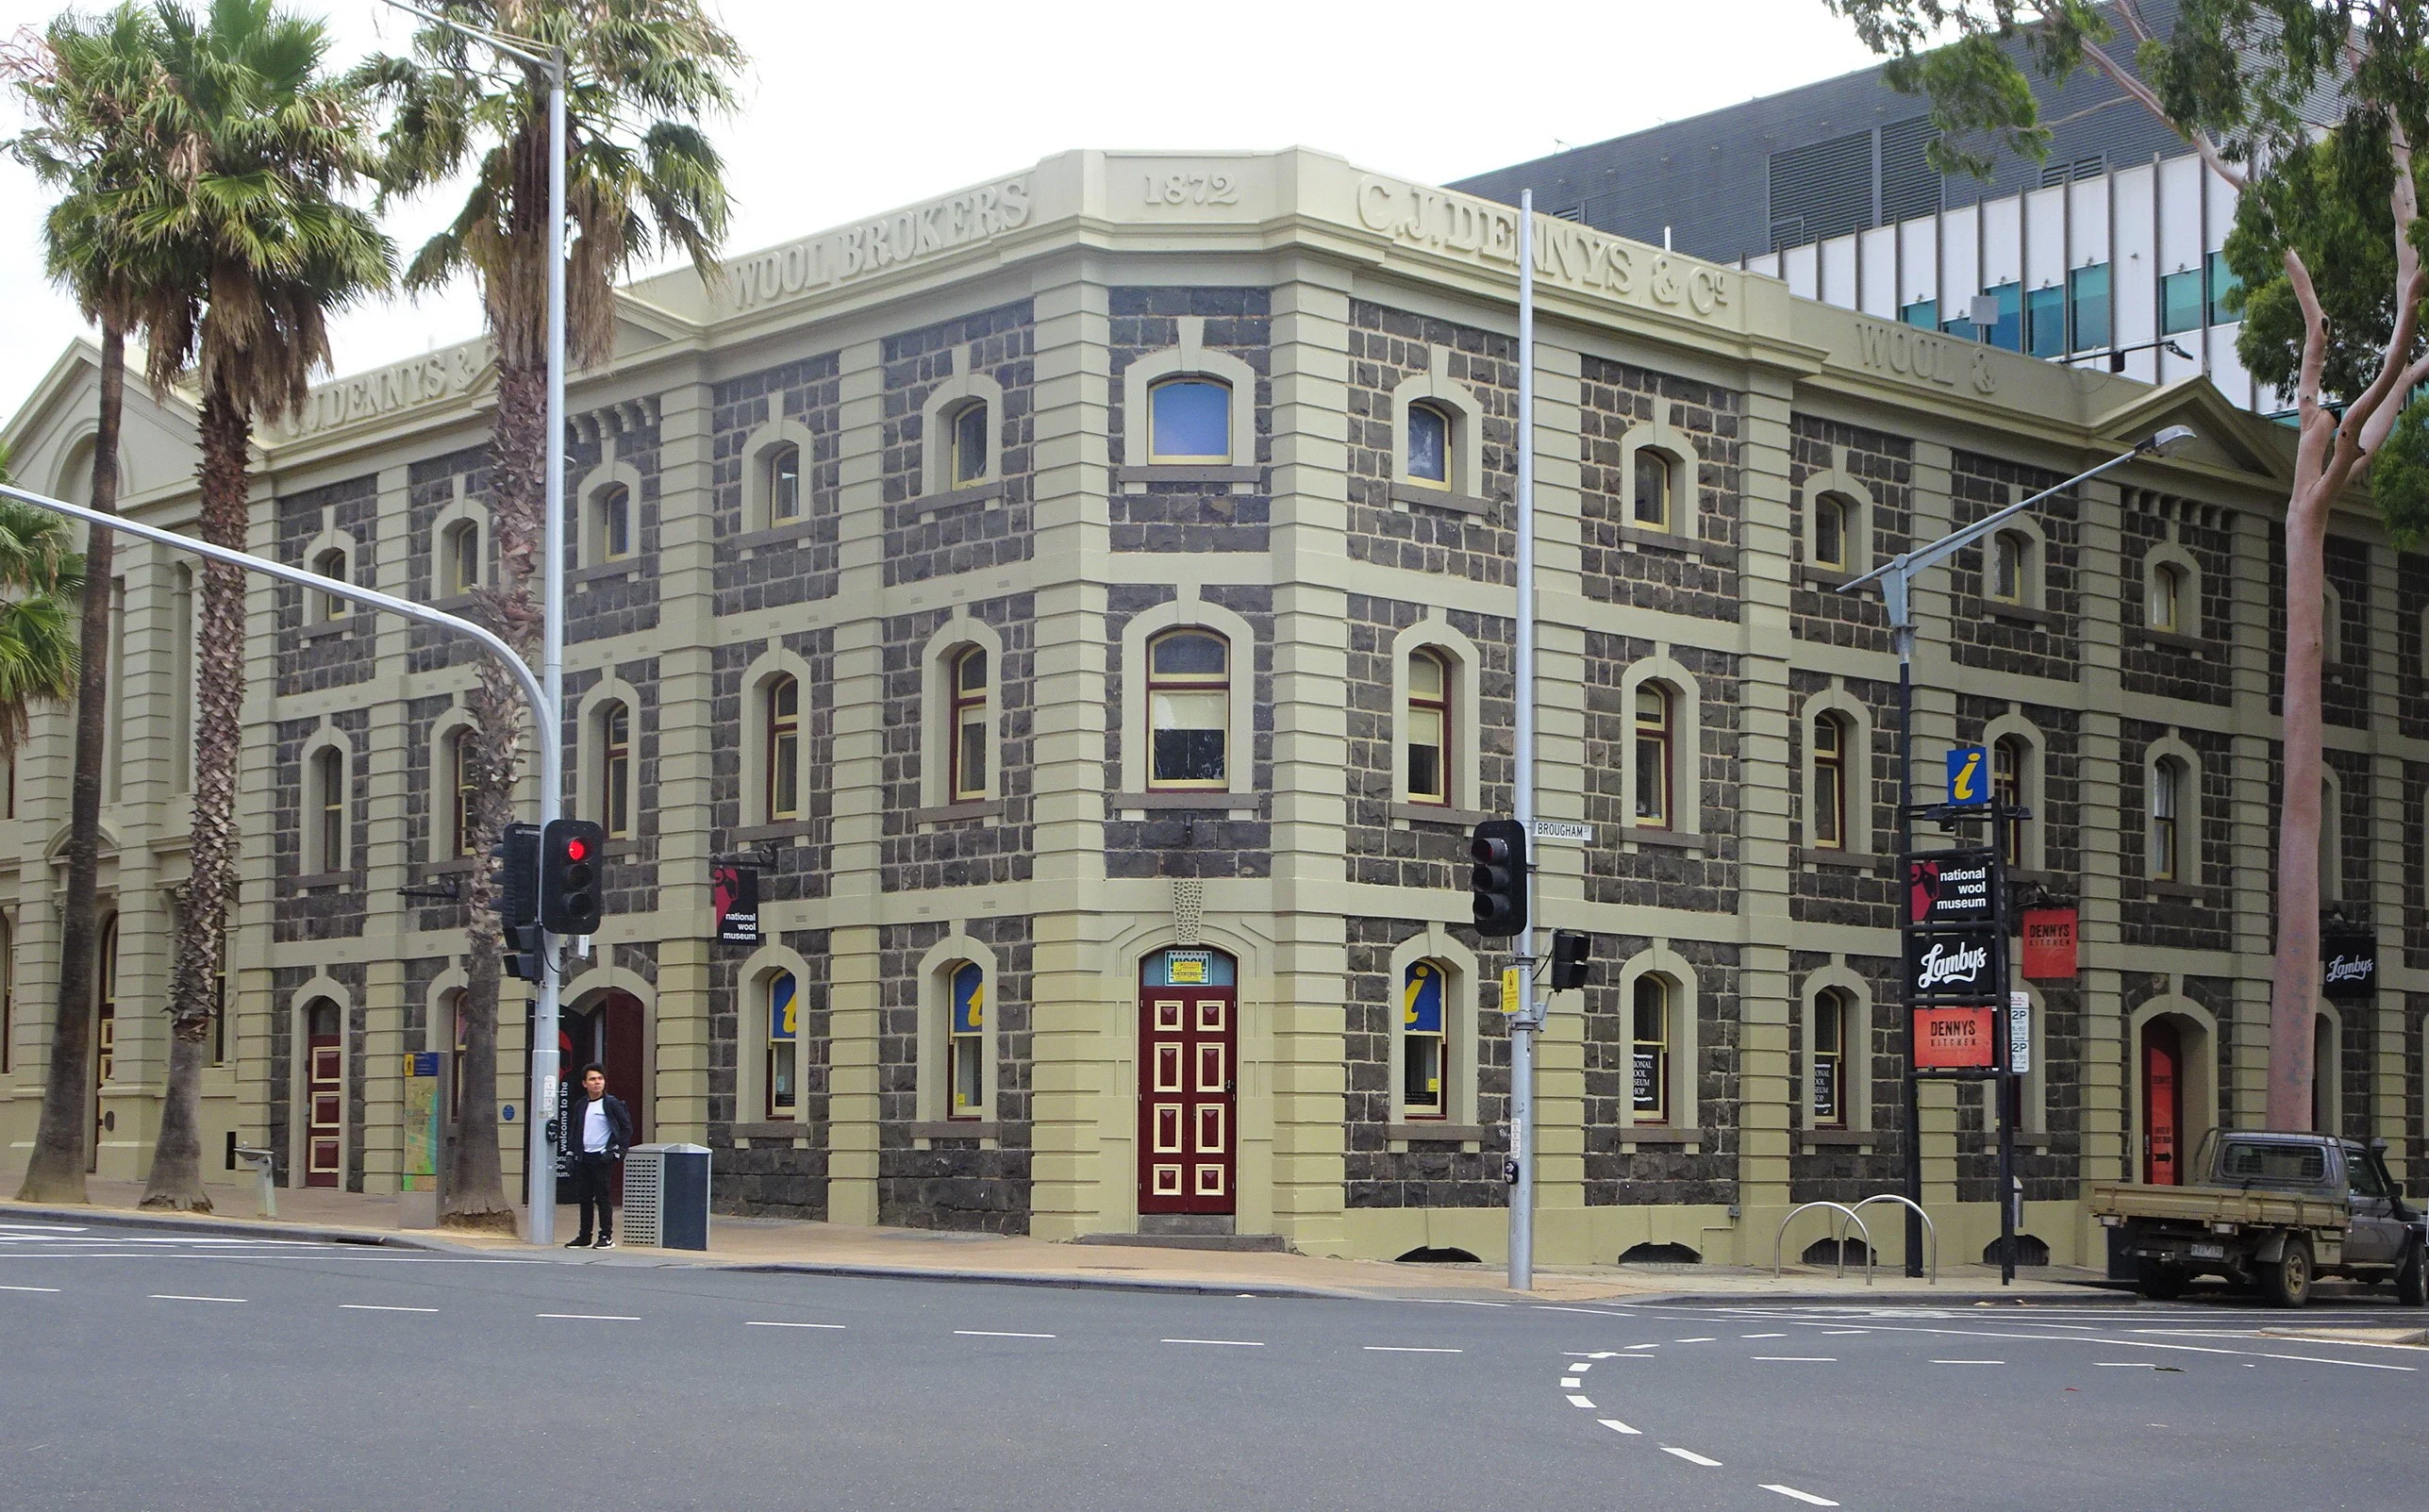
[[1969, 776]]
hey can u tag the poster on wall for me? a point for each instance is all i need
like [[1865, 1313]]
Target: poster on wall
[[735, 891]]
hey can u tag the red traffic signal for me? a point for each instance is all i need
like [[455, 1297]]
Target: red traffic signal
[[571, 898]]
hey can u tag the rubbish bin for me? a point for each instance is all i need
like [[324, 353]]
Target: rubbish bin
[[666, 1196]]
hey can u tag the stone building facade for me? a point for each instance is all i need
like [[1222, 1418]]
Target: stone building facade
[[1087, 600]]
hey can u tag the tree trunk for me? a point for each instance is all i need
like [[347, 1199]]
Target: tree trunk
[[55, 1173], [2294, 991], [477, 1193], [177, 1178]]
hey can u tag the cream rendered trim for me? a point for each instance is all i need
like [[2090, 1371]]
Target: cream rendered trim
[[936, 418], [1686, 1111], [1686, 742], [937, 692], [1459, 1032], [1187, 612], [1856, 1065], [758, 508], [1191, 359], [1466, 471], [751, 1031], [762, 671], [934, 1098], [1435, 633]]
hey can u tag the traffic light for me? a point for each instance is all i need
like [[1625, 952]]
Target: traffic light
[[1571, 949], [517, 854], [1497, 886], [523, 952], [570, 855]]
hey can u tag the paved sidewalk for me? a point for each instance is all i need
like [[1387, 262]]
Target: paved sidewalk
[[780, 1244]]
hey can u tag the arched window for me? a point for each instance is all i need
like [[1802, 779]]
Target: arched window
[[1654, 747], [461, 791], [1425, 1040], [2007, 758], [611, 522], [782, 696], [1833, 522], [1430, 436], [1189, 421], [783, 480], [2166, 795], [1650, 1041], [1428, 723], [1189, 697], [1656, 482], [2011, 566], [2165, 610], [615, 729], [181, 673], [968, 443], [2332, 850], [329, 800], [782, 1002], [970, 724], [966, 1040], [1833, 1010], [331, 564], [451, 1012], [1830, 743], [462, 555]]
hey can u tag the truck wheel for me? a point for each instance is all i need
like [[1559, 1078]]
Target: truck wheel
[[2287, 1280], [2162, 1283], [2412, 1283]]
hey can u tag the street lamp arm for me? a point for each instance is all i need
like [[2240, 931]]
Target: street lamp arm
[[522, 48]]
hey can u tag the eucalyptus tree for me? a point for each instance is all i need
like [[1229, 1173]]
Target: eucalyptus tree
[[642, 179], [2309, 109], [262, 146]]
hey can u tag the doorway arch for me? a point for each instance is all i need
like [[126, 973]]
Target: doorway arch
[[1189, 1071], [2173, 1082]]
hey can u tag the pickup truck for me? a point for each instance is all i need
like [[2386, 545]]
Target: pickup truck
[[2274, 1210]]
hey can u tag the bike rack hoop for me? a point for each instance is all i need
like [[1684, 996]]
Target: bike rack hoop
[[1930, 1232], [1781, 1237]]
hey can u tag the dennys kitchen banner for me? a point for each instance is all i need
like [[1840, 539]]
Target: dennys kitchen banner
[[1951, 887]]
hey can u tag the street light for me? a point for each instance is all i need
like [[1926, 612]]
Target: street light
[[1897, 577], [540, 1161]]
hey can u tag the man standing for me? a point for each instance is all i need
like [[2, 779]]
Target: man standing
[[595, 1136]]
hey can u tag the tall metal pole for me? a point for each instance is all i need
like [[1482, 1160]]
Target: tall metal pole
[[1522, 1027], [1903, 636], [541, 1197]]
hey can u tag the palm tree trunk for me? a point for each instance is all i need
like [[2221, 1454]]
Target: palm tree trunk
[[2294, 991], [202, 923], [476, 1194], [55, 1173]]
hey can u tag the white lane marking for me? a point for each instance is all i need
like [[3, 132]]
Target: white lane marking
[[1705, 1339], [171, 1296], [1762, 1336], [2356, 1365], [2125, 1365], [1799, 1360], [1224, 1343], [1691, 1456], [988, 1333], [1590, 1312], [373, 1306], [1842, 1333], [1643, 1346], [1606, 1355], [1806, 1497], [1444, 1301], [1570, 1382], [590, 1317], [39, 1228], [1409, 1348], [755, 1322], [1618, 1427], [28, 1289], [1969, 1362], [1586, 1403]]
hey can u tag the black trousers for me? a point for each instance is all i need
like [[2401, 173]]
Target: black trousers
[[594, 1185]]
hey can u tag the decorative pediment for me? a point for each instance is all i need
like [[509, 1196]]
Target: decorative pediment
[[2228, 435]]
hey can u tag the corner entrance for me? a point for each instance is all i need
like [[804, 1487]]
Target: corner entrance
[[2163, 1103], [324, 1094], [1188, 1066], [608, 1029]]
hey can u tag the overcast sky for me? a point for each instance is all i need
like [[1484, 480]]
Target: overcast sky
[[851, 109]]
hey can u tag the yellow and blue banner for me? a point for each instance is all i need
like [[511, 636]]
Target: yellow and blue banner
[[784, 1012], [1420, 999], [968, 999]]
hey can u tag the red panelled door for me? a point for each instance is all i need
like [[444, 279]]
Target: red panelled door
[[324, 1092], [1188, 1044], [2163, 1103]]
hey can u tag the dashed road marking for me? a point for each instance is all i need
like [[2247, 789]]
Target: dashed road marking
[[1586, 1402], [2359, 1365], [1969, 1362], [1798, 1359], [1842, 1333], [1410, 1348], [28, 1289], [171, 1296], [590, 1317], [755, 1322], [1762, 1336], [2125, 1365], [1223, 1343], [988, 1333], [1691, 1456], [1571, 1382], [1617, 1426], [1633, 1347], [1706, 1338], [1806, 1497], [373, 1306]]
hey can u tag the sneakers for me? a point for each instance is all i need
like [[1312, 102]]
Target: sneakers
[[605, 1243], [582, 1242]]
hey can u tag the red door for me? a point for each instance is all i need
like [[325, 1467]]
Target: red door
[[324, 1096], [1187, 1068], [2163, 1103]]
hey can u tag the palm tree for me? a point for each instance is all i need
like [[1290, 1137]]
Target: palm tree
[[85, 86], [260, 146], [640, 177]]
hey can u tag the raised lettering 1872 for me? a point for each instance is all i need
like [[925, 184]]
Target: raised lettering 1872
[[1192, 188]]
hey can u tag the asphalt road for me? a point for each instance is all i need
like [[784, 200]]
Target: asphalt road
[[140, 1371]]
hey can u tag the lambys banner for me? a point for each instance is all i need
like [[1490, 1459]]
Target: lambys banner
[[1952, 965]]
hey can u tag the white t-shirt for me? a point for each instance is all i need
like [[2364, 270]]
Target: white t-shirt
[[594, 1125]]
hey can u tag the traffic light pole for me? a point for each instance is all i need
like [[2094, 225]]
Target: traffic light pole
[[1529, 1017]]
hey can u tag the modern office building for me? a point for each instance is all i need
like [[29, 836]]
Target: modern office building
[[1086, 599]]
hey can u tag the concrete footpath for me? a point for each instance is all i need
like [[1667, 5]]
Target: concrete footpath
[[317, 1215]]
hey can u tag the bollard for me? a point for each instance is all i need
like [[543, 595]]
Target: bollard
[[264, 1165]]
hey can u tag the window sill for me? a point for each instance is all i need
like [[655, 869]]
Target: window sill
[[2170, 640], [1425, 1131], [1438, 814], [323, 629], [1199, 801], [1671, 839], [773, 535], [1185, 472], [776, 1129], [957, 1129], [956, 498], [1441, 499], [458, 866], [2022, 614], [2184, 891], [1837, 860], [454, 603], [952, 813], [1717, 553], [622, 850], [322, 879], [787, 830], [620, 569], [1826, 578], [1838, 1139], [1659, 1134]]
